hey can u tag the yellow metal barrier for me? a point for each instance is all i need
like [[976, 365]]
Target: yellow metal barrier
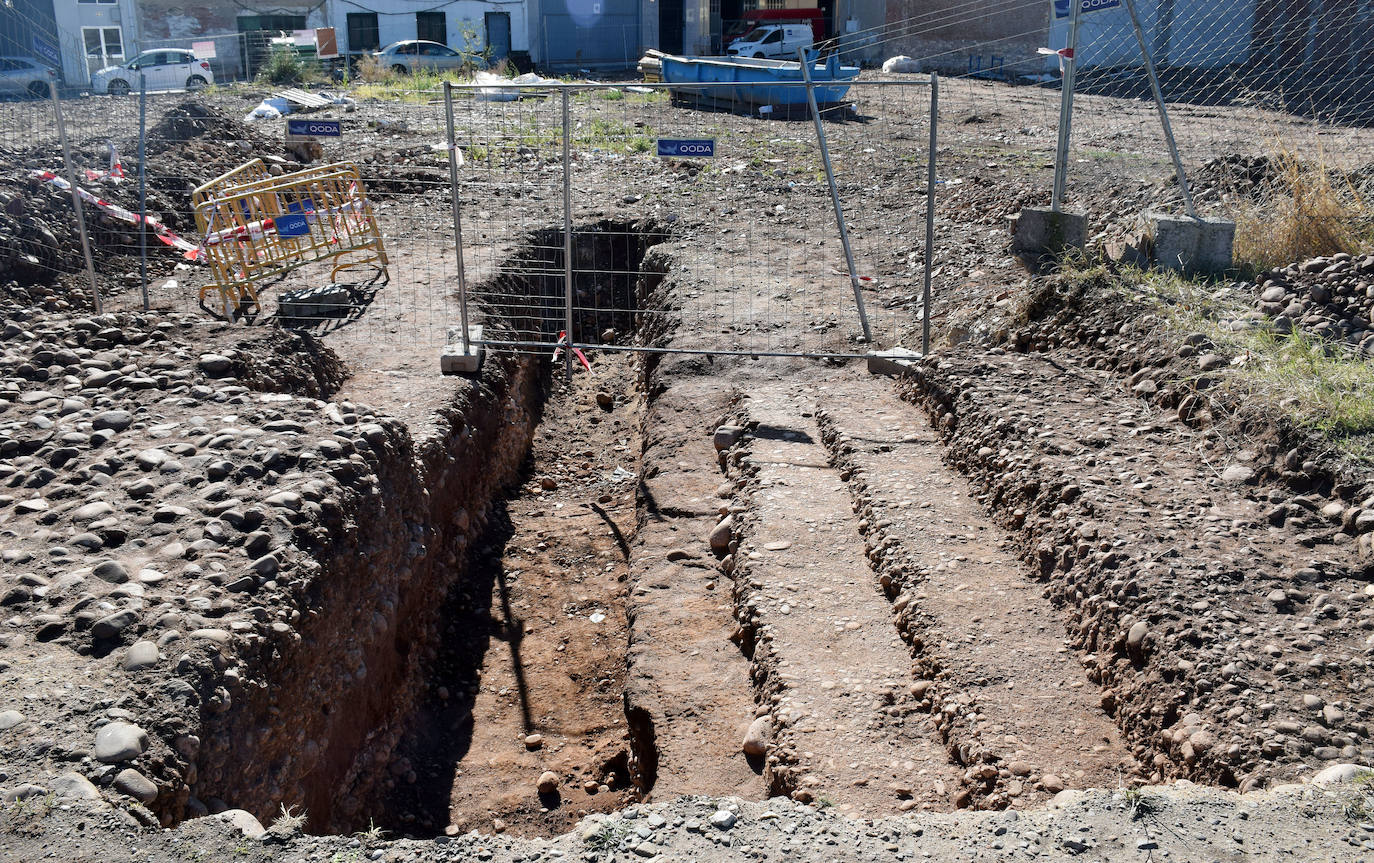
[[269, 226], [249, 172]]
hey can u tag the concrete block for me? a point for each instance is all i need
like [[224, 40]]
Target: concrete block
[[453, 360], [1188, 245], [1044, 233], [895, 362], [324, 301]]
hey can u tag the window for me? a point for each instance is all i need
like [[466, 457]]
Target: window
[[104, 47], [363, 34], [437, 51], [775, 36], [432, 27]]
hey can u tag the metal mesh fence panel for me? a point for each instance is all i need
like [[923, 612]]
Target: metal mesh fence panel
[[1247, 82], [42, 261], [757, 215], [1248, 94]]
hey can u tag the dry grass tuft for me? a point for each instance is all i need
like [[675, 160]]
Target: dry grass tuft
[[1309, 210]]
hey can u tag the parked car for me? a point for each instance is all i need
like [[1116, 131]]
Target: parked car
[[165, 68], [405, 57], [24, 76], [773, 40]]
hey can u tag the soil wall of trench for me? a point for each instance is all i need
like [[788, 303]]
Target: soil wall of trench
[[317, 711], [332, 696]]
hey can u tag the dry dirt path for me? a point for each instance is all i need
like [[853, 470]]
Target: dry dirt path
[[838, 675], [688, 693], [1017, 707]]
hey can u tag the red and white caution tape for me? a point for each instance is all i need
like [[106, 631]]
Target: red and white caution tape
[[163, 233], [116, 171], [258, 230], [558, 351], [1064, 54]]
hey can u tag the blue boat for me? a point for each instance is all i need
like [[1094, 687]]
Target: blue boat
[[757, 79]]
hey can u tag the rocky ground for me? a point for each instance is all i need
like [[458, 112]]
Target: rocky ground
[[261, 574], [1176, 823]]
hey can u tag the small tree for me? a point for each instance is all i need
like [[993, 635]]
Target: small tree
[[283, 66]]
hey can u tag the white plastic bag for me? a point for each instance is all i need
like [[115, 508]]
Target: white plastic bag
[[264, 111]]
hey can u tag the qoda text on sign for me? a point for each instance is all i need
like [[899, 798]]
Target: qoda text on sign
[[1063, 8], [702, 148]]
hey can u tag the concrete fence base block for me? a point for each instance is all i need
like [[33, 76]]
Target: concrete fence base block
[[1188, 245], [1043, 233], [894, 362], [324, 301], [453, 360]]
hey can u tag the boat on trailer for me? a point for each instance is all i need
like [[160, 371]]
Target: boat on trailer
[[760, 83]]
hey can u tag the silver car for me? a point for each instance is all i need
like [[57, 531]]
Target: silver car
[[23, 76], [164, 68], [405, 57]]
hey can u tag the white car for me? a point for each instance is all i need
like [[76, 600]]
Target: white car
[[23, 76], [772, 40], [412, 54], [165, 68]]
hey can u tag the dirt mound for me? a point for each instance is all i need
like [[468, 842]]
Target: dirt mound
[[191, 120], [40, 246], [289, 362], [1235, 176]]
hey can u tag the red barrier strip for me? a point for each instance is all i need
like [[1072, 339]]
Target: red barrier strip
[[163, 233]]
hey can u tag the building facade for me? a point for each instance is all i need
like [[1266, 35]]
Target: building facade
[[955, 37], [499, 27], [92, 34]]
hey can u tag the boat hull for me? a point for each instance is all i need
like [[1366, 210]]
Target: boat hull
[[758, 81]]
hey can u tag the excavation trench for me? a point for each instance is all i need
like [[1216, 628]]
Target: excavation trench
[[522, 623], [464, 626]]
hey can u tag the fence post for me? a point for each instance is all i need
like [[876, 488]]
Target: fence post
[[143, 186], [805, 63], [930, 213], [457, 217], [567, 239], [1163, 112], [76, 195], [1061, 152]]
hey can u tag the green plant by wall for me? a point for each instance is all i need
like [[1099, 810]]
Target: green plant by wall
[[284, 66]]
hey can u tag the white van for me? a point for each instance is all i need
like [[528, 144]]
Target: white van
[[772, 40]]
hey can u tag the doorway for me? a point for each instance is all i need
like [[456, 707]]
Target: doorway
[[498, 35], [670, 26]]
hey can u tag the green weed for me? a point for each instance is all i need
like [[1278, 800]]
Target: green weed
[[372, 835], [610, 838], [285, 66], [1319, 385]]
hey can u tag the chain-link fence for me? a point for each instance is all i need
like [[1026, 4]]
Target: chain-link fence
[[533, 162], [1244, 79], [758, 214]]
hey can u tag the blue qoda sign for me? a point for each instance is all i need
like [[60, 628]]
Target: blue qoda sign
[[699, 147], [1062, 9], [47, 50], [295, 222], [320, 128]]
